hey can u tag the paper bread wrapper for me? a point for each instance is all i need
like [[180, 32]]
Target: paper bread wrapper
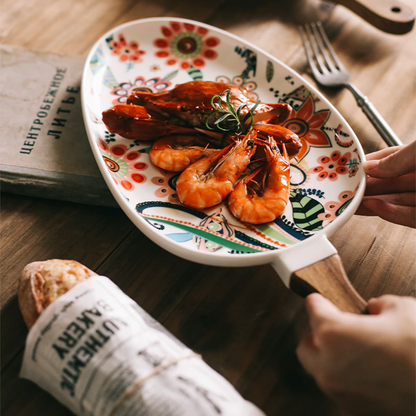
[[97, 352]]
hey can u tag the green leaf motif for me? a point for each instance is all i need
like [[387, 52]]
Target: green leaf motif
[[108, 41], [145, 150], [306, 211], [269, 71], [195, 73], [170, 76], [108, 79]]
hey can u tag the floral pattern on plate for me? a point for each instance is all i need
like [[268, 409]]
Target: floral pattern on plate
[[166, 186], [335, 208], [124, 89], [128, 52], [332, 166], [186, 45], [250, 86], [124, 165], [307, 123]]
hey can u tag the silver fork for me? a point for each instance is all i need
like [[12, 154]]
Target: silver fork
[[329, 71]]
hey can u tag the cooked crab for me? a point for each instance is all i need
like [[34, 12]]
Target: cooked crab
[[192, 103], [221, 111]]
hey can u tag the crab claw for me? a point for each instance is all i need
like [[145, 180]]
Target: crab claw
[[282, 135], [134, 122], [272, 113]]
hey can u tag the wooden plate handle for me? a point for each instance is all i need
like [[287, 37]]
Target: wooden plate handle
[[328, 278], [392, 16]]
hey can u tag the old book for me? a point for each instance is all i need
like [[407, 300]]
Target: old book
[[44, 149]]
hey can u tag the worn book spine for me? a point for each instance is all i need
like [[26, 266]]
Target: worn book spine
[[44, 149], [55, 185]]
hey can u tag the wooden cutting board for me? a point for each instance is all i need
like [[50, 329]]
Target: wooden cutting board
[[392, 16]]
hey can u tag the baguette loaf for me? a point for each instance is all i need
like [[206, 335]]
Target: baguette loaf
[[42, 282]]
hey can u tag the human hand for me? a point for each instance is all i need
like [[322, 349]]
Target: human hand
[[391, 185], [367, 363]]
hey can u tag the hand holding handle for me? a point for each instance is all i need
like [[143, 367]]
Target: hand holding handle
[[315, 266], [392, 16], [381, 125], [328, 278]]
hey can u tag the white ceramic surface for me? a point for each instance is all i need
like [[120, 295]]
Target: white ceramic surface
[[327, 178]]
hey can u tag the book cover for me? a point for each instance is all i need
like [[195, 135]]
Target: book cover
[[44, 149]]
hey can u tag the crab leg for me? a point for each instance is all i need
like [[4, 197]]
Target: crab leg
[[191, 102], [134, 122], [276, 113]]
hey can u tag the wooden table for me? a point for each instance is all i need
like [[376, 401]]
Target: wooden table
[[243, 321]]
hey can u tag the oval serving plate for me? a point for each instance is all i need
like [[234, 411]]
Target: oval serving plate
[[327, 178]]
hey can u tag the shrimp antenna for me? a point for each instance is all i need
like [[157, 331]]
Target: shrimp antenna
[[257, 160], [252, 190]]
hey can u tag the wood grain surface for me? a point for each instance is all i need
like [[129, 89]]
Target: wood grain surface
[[243, 321], [391, 16], [328, 278]]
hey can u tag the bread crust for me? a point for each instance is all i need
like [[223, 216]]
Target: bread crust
[[42, 282]]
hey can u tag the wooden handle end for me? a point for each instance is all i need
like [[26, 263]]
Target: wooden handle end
[[328, 278]]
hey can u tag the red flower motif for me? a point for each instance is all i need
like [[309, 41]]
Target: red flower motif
[[307, 124], [123, 164], [335, 208], [250, 86], [125, 51], [165, 190], [186, 44], [353, 171], [331, 167]]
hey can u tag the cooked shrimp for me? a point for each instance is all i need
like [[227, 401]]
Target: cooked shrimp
[[176, 153], [207, 182], [257, 203], [281, 135]]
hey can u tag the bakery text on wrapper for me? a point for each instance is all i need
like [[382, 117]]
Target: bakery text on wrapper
[[96, 351]]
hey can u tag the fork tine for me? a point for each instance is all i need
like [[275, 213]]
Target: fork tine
[[321, 46], [313, 43], [303, 36], [329, 47]]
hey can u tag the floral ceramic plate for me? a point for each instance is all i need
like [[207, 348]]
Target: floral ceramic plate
[[327, 178]]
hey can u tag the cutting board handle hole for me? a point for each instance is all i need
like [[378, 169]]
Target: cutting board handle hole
[[396, 9]]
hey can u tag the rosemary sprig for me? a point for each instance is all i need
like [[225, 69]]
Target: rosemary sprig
[[230, 120]]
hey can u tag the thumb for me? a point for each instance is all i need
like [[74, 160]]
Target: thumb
[[397, 164], [320, 310], [382, 304]]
